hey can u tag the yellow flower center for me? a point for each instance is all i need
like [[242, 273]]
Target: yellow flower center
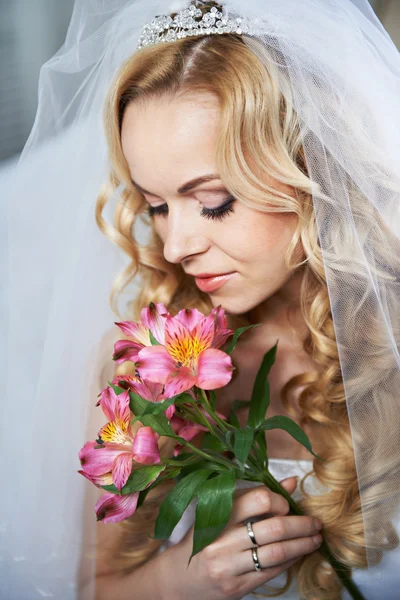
[[116, 432], [186, 351]]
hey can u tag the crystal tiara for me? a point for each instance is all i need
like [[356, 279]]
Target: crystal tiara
[[190, 22]]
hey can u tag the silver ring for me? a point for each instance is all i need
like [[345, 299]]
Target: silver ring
[[251, 534], [256, 562]]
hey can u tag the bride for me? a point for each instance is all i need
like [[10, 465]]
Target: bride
[[249, 168]]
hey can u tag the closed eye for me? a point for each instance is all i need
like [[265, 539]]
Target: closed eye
[[216, 214]]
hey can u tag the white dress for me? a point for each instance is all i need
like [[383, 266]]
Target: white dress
[[379, 583]]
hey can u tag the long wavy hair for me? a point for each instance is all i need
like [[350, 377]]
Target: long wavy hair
[[258, 122]]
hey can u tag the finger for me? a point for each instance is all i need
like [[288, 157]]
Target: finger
[[276, 529], [247, 582], [272, 555], [256, 502], [290, 484]]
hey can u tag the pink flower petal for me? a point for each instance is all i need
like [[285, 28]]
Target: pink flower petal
[[189, 317], [145, 446], [107, 399], [122, 468], [150, 390], [169, 391], [153, 317], [185, 428], [190, 430], [126, 350], [177, 449], [203, 333], [98, 461], [98, 480], [220, 337], [112, 508], [221, 322], [138, 332], [178, 341], [169, 413], [177, 423], [115, 406], [154, 363], [181, 380], [222, 332], [127, 382], [214, 369]]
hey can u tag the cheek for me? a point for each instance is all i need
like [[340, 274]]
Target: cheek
[[263, 237]]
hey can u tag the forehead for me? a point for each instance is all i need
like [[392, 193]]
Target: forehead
[[162, 132]]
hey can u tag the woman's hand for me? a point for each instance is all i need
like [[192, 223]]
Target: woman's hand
[[224, 570]]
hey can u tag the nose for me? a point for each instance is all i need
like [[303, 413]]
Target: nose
[[185, 236]]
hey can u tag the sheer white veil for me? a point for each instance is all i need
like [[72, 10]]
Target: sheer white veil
[[341, 71]]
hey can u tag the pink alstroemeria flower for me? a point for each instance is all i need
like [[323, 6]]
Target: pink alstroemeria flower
[[150, 391], [112, 508], [190, 356], [186, 430], [116, 447], [152, 319]]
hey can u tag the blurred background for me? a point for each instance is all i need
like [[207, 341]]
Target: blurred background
[[31, 31]]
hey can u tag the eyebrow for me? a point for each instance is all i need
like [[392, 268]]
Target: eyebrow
[[186, 187]]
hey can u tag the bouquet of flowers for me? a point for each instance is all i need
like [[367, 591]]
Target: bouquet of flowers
[[179, 361]]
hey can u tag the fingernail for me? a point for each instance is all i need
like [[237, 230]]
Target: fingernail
[[317, 524], [317, 539]]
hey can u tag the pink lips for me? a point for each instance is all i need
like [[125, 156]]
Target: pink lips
[[211, 283]]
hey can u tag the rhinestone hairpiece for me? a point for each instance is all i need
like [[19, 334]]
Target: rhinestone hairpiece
[[189, 22]]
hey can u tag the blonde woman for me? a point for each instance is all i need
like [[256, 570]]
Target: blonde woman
[[250, 167]]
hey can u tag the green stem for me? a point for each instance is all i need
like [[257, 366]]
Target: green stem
[[339, 568], [204, 419], [224, 426], [177, 463], [226, 463]]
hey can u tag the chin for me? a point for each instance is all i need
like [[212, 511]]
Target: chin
[[235, 305]]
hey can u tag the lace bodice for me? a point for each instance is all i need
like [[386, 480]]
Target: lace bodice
[[382, 582]]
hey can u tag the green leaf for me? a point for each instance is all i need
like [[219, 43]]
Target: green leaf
[[232, 417], [153, 340], [138, 480], [213, 510], [236, 336], [202, 463], [209, 441], [154, 408], [218, 466], [118, 390], [285, 423], [159, 422], [259, 402], [233, 420], [259, 437], [170, 474], [243, 440], [184, 398], [176, 502]]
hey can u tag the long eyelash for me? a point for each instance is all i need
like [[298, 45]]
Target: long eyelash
[[216, 214]]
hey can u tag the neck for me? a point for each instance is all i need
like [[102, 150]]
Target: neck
[[282, 312]]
